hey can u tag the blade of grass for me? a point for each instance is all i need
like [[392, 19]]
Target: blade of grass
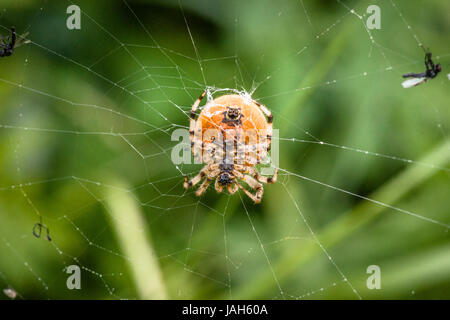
[[421, 270], [134, 239], [316, 75], [364, 212]]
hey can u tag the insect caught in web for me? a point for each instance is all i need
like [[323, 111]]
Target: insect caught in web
[[37, 229], [9, 43], [431, 72], [232, 134], [10, 293]]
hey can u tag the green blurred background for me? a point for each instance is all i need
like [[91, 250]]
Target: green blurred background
[[85, 124]]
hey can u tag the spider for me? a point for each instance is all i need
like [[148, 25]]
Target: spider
[[251, 135], [8, 44], [431, 72]]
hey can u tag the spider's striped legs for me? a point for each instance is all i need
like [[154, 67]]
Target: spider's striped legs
[[255, 197], [207, 170], [269, 123], [192, 116], [196, 179], [203, 187], [255, 174], [210, 171], [232, 188], [218, 186], [253, 184], [261, 178]]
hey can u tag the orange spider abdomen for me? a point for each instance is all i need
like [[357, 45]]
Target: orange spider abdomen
[[231, 135], [213, 115]]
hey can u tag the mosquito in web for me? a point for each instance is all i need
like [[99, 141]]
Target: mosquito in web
[[431, 72], [9, 43]]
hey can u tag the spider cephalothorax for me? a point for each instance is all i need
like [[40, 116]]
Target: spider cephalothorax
[[232, 115], [232, 134], [225, 179], [226, 174]]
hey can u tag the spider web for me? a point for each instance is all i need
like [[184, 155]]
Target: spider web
[[70, 155]]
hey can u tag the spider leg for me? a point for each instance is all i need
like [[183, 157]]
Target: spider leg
[[269, 121], [252, 184], [203, 187], [197, 178], [210, 171], [192, 116], [218, 186], [261, 178], [197, 153], [255, 198], [232, 188]]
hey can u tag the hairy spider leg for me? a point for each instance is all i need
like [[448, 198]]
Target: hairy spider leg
[[203, 187], [193, 116], [269, 123], [252, 183], [254, 173], [232, 188]]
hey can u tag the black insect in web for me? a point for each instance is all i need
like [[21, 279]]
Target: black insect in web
[[431, 72], [9, 43], [37, 229]]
